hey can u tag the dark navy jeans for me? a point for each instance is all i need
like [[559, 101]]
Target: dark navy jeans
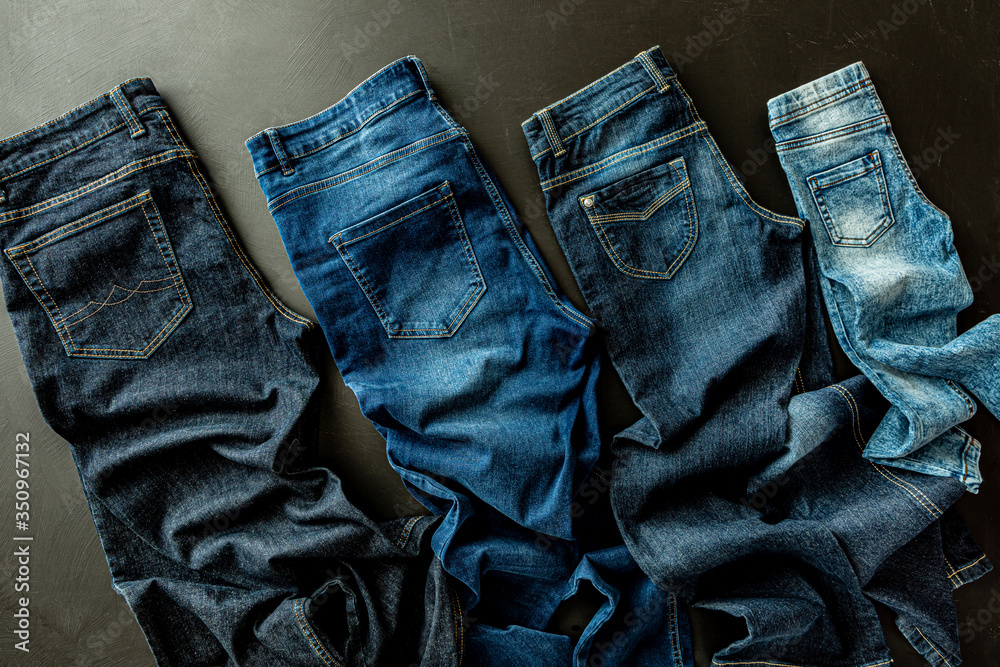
[[475, 368], [186, 391], [743, 487]]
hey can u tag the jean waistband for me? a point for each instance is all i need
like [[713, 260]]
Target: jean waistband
[[817, 94], [549, 128], [119, 108], [279, 147]]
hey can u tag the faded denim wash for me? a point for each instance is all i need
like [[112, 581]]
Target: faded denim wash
[[711, 313], [467, 358], [891, 278], [187, 393]]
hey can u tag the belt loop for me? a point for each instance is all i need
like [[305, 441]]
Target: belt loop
[[125, 109], [551, 133], [279, 152], [423, 76], [654, 71]]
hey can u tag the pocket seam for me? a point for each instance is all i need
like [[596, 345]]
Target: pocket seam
[[835, 235], [692, 233], [461, 311], [141, 201]]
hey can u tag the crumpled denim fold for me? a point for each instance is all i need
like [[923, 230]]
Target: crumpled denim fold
[[187, 393], [892, 280], [743, 487]]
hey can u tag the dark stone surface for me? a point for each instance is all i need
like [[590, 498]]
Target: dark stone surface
[[229, 68]]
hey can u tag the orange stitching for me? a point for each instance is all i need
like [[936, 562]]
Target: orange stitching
[[649, 210], [74, 148], [880, 468], [967, 566], [116, 175], [809, 108], [38, 277], [362, 170], [624, 155], [390, 224], [80, 225], [219, 218], [745, 196], [853, 128], [310, 635], [846, 178], [929, 643]]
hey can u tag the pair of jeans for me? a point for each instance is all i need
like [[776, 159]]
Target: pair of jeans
[[891, 278], [710, 309], [187, 392], [469, 361]]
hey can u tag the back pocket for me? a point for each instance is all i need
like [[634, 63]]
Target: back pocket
[[109, 282], [416, 265], [853, 201], [646, 222]]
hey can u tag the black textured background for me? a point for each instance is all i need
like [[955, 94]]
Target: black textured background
[[229, 68]]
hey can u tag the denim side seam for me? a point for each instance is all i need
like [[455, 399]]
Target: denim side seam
[[310, 635], [571, 313], [237, 248], [929, 506]]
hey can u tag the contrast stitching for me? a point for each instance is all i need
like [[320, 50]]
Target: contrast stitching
[[84, 223], [66, 152], [740, 191], [515, 236], [859, 440], [654, 71], [846, 130], [234, 244], [350, 132], [814, 105], [157, 280], [981, 558], [931, 644], [174, 267], [115, 303], [363, 169], [649, 210], [969, 404], [390, 224], [552, 134], [845, 178], [405, 535], [311, 637], [459, 623], [624, 155], [587, 127], [60, 325], [116, 175], [786, 664]]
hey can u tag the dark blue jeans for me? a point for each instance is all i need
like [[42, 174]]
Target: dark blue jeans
[[710, 309], [470, 362], [186, 391]]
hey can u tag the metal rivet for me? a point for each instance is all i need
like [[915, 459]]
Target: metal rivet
[[588, 202]]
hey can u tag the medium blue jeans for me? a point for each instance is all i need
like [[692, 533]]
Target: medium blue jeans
[[471, 363], [711, 313], [187, 393], [891, 278]]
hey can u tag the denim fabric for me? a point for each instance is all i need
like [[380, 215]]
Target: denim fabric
[[186, 391], [469, 361], [711, 314], [891, 277]]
